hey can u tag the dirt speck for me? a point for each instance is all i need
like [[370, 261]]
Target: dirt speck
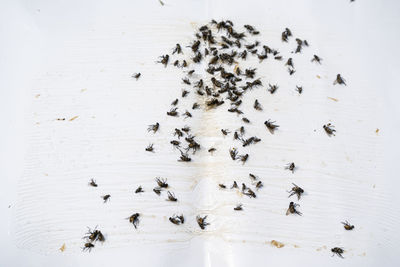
[[319, 77], [377, 131], [37, 96], [277, 244], [62, 248], [334, 99], [83, 90], [296, 246], [73, 118]]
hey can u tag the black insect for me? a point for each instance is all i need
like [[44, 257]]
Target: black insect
[[134, 219], [184, 93], [339, 80], [88, 247], [212, 149], [157, 190], [271, 125], [337, 251], [164, 60], [197, 58], [186, 129], [299, 89], [139, 190], [150, 148], [234, 185], [175, 143], [153, 127], [162, 182], [195, 46], [257, 105], [329, 129], [248, 192], [184, 65], [289, 63], [106, 198], [250, 73], [190, 72], [176, 63], [95, 235], [201, 221], [253, 177], [290, 166], [347, 225], [187, 114], [177, 49], [291, 71], [272, 88], [246, 120], [316, 59], [171, 197], [296, 190], [292, 209], [184, 157], [238, 207], [233, 152], [136, 75], [175, 102], [186, 81], [222, 186], [259, 184], [172, 112], [92, 183], [177, 219], [278, 58]]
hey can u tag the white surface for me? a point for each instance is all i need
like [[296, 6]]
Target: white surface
[[56, 50]]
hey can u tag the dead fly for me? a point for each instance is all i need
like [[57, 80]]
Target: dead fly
[[134, 219], [175, 143], [289, 63], [184, 157], [92, 183], [337, 251], [222, 186], [184, 93], [233, 152], [244, 187], [150, 148], [164, 60], [290, 166], [316, 59], [88, 246], [199, 84], [238, 207], [329, 129], [347, 225], [259, 185], [171, 197], [292, 209], [136, 75], [172, 112], [299, 89], [187, 114], [186, 129], [257, 105], [271, 125], [186, 81], [162, 182], [177, 49], [291, 71], [250, 193], [184, 65], [272, 88], [139, 190], [246, 120], [253, 177], [176, 63], [238, 111], [195, 46], [286, 34], [177, 219], [178, 133], [249, 73], [211, 150], [197, 58], [234, 185], [175, 102], [243, 55], [243, 158], [195, 106], [201, 221], [251, 140], [157, 190], [106, 198], [296, 190], [153, 127], [190, 72], [95, 235], [339, 80]]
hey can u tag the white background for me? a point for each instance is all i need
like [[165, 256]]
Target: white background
[[358, 39]]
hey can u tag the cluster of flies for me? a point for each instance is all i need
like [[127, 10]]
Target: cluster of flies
[[221, 48]]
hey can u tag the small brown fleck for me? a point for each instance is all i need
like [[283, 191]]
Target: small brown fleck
[[334, 99], [73, 118], [277, 244], [62, 248], [319, 77]]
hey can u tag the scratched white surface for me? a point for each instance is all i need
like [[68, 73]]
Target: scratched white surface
[[84, 56]]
